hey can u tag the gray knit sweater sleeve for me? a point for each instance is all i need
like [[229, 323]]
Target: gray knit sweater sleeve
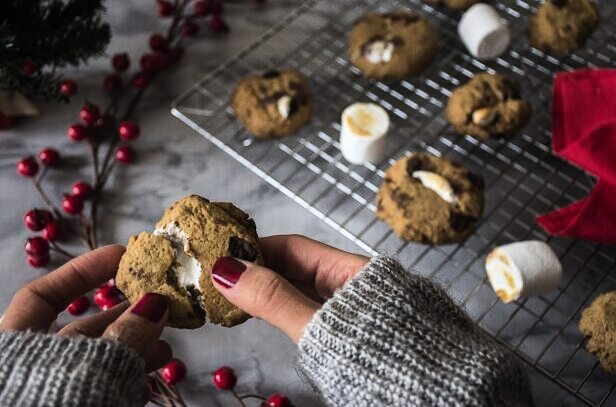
[[50, 370], [392, 338]]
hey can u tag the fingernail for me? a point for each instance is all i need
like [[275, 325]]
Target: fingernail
[[151, 306], [226, 271]]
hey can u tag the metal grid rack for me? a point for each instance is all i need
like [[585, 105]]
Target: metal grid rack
[[522, 176]]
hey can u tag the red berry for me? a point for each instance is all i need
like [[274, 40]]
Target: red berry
[[38, 261], [175, 54], [141, 80], [120, 61], [28, 67], [215, 7], [128, 130], [27, 167], [79, 306], [164, 8], [37, 219], [217, 24], [112, 83], [278, 400], [148, 63], [52, 232], [224, 378], [189, 29], [157, 42], [49, 157], [5, 121], [89, 114], [173, 372], [107, 296], [72, 204], [202, 8], [125, 154], [78, 132], [37, 246], [68, 87], [82, 190]]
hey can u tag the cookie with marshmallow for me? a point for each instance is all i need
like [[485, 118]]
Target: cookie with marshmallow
[[392, 45], [428, 199], [523, 269], [176, 260], [273, 104]]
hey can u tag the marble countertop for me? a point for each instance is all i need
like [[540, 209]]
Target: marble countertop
[[173, 161]]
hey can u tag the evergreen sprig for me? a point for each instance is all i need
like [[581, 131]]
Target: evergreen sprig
[[53, 33]]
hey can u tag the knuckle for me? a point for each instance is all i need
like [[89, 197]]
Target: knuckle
[[127, 332]]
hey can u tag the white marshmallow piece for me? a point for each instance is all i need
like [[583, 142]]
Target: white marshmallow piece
[[436, 183], [484, 33], [379, 51], [523, 269], [284, 106], [187, 267], [363, 130]]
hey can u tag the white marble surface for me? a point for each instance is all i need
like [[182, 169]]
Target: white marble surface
[[173, 161]]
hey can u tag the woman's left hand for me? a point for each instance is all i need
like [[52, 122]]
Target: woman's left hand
[[36, 306]]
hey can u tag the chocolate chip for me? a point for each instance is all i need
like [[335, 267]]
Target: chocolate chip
[[509, 89], [559, 3], [270, 74], [413, 164], [397, 41], [407, 18], [242, 249], [460, 222], [401, 199], [195, 301], [476, 180], [293, 106]]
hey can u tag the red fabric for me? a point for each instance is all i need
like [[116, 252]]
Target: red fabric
[[584, 133]]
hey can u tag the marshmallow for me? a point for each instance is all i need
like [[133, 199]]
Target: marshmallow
[[187, 268], [483, 32], [379, 51], [284, 106], [362, 134], [436, 183], [523, 269]]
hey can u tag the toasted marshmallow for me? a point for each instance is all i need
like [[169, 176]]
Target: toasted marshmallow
[[187, 268], [379, 51], [436, 183], [362, 134], [523, 269], [284, 106]]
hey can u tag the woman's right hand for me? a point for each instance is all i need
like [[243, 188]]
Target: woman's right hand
[[303, 274]]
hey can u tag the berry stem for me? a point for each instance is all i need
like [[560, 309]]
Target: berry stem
[[57, 248], [252, 396], [238, 398]]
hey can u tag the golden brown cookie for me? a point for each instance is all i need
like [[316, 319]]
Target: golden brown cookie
[[562, 26], [454, 4], [430, 200], [598, 323], [176, 260], [489, 105], [392, 45], [273, 104]]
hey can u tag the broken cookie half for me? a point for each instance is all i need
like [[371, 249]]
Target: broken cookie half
[[176, 260]]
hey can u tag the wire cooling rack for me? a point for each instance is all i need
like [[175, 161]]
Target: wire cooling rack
[[522, 176]]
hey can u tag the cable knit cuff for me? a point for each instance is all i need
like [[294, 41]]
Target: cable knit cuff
[[389, 337], [42, 369]]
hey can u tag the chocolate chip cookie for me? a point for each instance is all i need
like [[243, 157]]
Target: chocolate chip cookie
[[176, 260], [487, 106], [392, 45], [454, 4], [273, 104], [430, 200], [562, 26], [598, 323]]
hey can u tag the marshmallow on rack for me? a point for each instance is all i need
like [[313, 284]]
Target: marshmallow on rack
[[363, 130], [483, 32], [523, 269]]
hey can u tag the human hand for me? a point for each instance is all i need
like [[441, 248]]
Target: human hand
[[37, 305], [306, 274]]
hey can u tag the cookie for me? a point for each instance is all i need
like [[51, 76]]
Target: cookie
[[562, 26], [487, 106], [392, 45], [273, 104], [598, 323], [454, 4], [431, 200], [176, 260]]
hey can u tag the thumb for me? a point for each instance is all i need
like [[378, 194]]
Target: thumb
[[264, 294]]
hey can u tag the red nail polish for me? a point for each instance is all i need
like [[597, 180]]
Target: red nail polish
[[151, 306], [227, 271]]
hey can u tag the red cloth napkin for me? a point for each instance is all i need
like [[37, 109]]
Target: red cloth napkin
[[584, 133]]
